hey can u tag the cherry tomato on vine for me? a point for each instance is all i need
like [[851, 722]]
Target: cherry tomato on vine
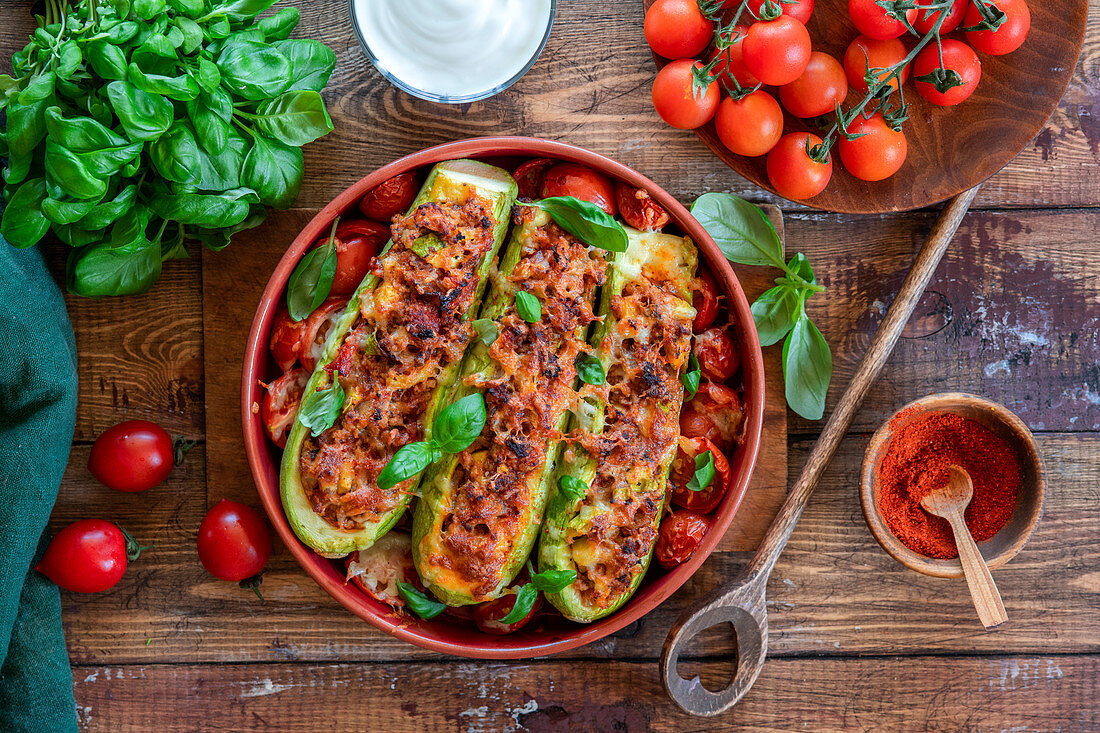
[[927, 18], [579, 181], [677, 29], [957, 57], [791, 170], [821, 87], [1008, 37], [529, 176], [488, 615], [357, 243], [873, 20], [389, 198], [638, 208], [776, 51], [732, 64], [751, 125], [868, 53], [89, 556], [132, 456], [281, 402], [674, 97], [714, 413], [683, 468], [234, 542], [877, 154], [800, 10], [705, 301], [679, 537]]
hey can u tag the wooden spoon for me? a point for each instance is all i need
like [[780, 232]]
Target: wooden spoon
[[950, 502]]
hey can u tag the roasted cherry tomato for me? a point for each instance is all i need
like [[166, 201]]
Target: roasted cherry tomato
[[683, 468], [958, 57], [732, 65], [487, 615], [390, 198], [1008, 37], [866, 53], [675, 99], [793, 172], [877, 153], [717, 355], [234, 541], [281, 402], [638, 209], [751, 125], [705, 300], [316, 328], [800, 10], [819, 90], [580, 181], [927, 18], [379, 568], [715, 413], [529, 176], [873, 20], [286, 339], [132, 456], [679, 537], [357, 243], [88, 556], [776, 51], [677, 29]]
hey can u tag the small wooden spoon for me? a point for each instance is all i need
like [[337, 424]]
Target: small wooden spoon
[[950, 502]]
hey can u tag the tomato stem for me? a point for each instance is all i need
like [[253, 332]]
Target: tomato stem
[[180, 446], [133, 549], [253, 584]]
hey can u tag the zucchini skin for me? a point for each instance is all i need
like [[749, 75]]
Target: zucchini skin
[[673, 259], [311, 528]]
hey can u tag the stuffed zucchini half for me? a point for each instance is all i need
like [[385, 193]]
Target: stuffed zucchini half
[[395, 352], [623, 445], [480, 510]]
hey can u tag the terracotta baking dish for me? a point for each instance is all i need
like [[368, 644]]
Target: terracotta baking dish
[[550, 633]]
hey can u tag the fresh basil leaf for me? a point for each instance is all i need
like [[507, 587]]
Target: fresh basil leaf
[[275, 171], [71, 173], [211, 130], [691, 377], [528, 307], [801, 268], [704, 472], [487, 330], [320, 409], [156, 55], [24, 224], [107, 60], [76, 236], [586, 221], [40, 87], [218, 239], [211, 211], [807, 368], [176, 154], [148, 9], [67, 212], [590, 369], [124, 270], [123, 32], [311, 281], [69, 59], [775, 312], [573, 488], [189, 9], [144, 116], [278, 27], [739, 228], [80, 134], [459, 424], [192, 36], [181, 88], [295, 118], [239, 9], [408, 461], [419, 603], [553, 581], [525, 601], [253, 70], [105, 214], [26, 130], [311, 62]]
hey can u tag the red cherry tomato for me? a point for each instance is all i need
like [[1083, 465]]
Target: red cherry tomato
[[234, 541], [390, 198], [677, 29], [378, 569], [286, 339], [732, 65], [715, 413], [580, 181], [280, 405], [638, 209], [705, 301], [487, 615], [791, 170], [675, 100], [132, 456], [717, 355], [751, 125], [868, 53], [819, 90], [529, 176], [776, 51], [357, 244], [679, 537], [683, 469], [316, 329], [877, 154], [958, 57], [88, 556], [1008, 37], [927, 18], [873, 21], [800, 10]]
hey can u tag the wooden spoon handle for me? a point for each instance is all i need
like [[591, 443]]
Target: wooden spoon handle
[[983, 591]]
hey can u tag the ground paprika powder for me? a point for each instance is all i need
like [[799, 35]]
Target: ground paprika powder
[[915, 464]]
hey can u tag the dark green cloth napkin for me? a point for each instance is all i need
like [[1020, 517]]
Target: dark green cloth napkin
[[37, 417]]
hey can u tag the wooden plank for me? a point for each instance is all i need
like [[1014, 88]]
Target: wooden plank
[[1039, 694]]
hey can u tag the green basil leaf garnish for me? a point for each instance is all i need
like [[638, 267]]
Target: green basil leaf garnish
[[807, 368], [321, 408], [590, 369], [525, 601], [419, 603], [553, 581], [459, 424], [586, 221], [740, 229], [572, 487], [691, 377], [704, 472], [528, 307], [409, 460], [311, 281]]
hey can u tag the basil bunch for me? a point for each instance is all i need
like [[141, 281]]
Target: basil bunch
[[548, 581], [135, 125], [744, 234]]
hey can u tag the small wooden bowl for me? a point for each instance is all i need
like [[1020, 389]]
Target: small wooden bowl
[[1004, 545]]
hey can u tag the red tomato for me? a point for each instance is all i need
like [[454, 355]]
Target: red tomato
[[487, 615], [800, 10], [1008, 37], [927, 18], [675, 100], [877, 154], [791, 170], [580, 181], [286, 339], [677, 29], [88, 556], [715, 413], [776, 51], [868, 53], [357, 243], [281, 402], [529, 176], [958, 57], [379, 568], [718, 357], [873, 21], [390, 198], [705, 300], [751, 125], [234, 542], [638, 209], [683, 468], [821, 87], [132, 456], [732, 65], [316, 329], [679, 536]]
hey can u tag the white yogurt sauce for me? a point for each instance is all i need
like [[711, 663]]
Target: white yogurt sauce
[[453, 48]]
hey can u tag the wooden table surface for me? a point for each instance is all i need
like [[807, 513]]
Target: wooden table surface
[[857, 642]]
